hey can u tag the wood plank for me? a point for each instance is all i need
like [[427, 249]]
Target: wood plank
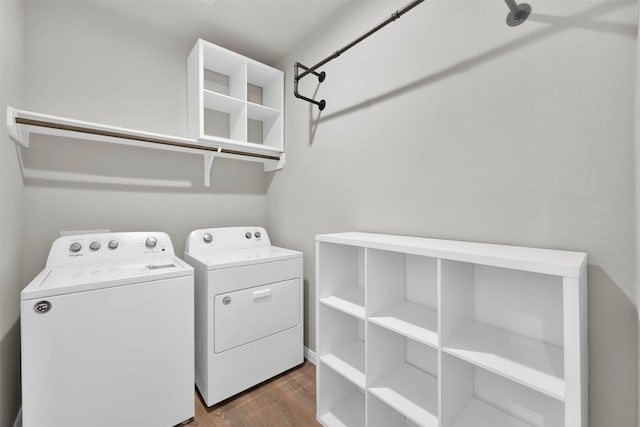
[[288, 400]]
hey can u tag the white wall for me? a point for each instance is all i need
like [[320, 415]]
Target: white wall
[[11, 69], [92, 64], [451, 124]]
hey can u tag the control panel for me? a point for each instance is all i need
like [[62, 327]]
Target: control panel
[[226, 238], [91, 248]]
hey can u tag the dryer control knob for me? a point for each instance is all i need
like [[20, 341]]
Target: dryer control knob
[[151, 242], [257, 234], [248, 234], [75, 247], [94, 246], [208, 238], [113, 244]]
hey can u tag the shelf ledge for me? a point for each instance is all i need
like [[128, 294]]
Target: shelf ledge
[[529, 362], [411, 392], [348, 361], [411, 320], [348, 300], [21, 124], [349, 413]]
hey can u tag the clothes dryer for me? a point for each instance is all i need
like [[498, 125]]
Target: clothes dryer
[[248, 308], [107, 334]]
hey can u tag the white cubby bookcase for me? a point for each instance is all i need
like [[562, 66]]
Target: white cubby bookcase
[[424, 332], [234, 101]]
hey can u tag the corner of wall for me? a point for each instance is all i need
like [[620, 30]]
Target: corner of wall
[[11, 209]]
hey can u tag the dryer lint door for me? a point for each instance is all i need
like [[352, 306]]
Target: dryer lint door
[[248, 315]]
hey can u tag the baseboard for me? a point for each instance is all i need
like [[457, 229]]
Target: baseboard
[[18, 421], [310, 355]]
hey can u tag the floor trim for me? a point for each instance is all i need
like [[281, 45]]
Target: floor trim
[[310, 355]]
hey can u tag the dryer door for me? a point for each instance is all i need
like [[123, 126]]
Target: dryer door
[[248, 315]]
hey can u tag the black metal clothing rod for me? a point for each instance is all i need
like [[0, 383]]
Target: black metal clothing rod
[[395, 15]]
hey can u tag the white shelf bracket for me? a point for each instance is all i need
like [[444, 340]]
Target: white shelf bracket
[[15, 132], [275, 165], [208, 165]]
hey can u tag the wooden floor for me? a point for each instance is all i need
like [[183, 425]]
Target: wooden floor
[[289, 400]]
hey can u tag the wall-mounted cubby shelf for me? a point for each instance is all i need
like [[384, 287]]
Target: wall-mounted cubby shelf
[[235, 109], [234, 100], [22, 124], [426, 332]]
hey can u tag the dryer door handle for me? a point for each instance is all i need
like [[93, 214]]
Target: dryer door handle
[[263, 293]]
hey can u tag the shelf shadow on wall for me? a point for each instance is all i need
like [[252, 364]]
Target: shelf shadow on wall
[[583, 20], [58, 162]]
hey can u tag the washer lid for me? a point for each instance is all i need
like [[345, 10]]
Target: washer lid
[[67, 280], [226, 258]]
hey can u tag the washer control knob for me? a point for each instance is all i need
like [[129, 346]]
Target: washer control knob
[[113, 244], [257, 234], [247, 234], [208, 238], [75, 247], [151, 242], [94, 246]]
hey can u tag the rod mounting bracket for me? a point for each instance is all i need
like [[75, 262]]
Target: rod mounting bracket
[[297, 77], [518, 13]]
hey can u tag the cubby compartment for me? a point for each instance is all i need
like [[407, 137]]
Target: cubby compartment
[[224, 72], [265, 85], [402, 373], [402, 294], [342, 403], [380, 414], [264, 125], [224, 117], [341, 283], [342, 344], [475, 397], [507, 321]]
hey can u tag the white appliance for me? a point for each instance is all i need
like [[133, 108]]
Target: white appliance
[[107, 334], [248, 308]]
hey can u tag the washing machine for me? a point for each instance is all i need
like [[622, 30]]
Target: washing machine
[[248, 309], [107, 334]]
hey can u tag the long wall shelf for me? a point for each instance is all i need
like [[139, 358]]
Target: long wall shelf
[[22, 124], [450, 334]]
